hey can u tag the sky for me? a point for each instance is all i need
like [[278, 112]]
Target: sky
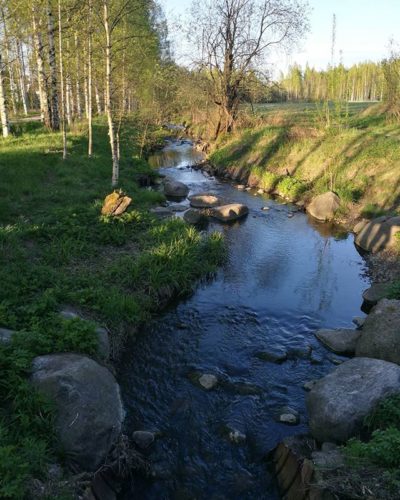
[[363, 31]]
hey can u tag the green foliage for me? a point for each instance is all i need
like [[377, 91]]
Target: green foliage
[[291, 188], [370, 211], [268, 180], [394, 290], [385, 415], [382, 449], [56, 249]]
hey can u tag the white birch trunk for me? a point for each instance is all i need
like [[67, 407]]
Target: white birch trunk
[[42, 85], [98, 102], [22, 76], [90, 107], [60, 52], [3, 105], [78, 78], [108, 101], [55, 118], [13, 90]]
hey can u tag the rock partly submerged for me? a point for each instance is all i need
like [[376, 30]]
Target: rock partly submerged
[[339, 402], [204, 200], [193, 216], [228, 213], [175, 189], [340, 341], [324, 206], [378, 234], [88, 403]]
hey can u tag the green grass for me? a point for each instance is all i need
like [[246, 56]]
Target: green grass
[[381, 448], [358, 156], [56, 249]]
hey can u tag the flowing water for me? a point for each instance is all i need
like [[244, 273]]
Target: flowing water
[[285, 277]]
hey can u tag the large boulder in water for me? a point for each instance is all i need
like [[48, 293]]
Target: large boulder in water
[[204, 200], [339, 402], [88, 403], [324, 206], [193, 216], [378, 234], [380, 337], [175, 189], [227, 213]]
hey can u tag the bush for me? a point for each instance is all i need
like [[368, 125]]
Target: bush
[[383, 449], [268, 180], [291, 188]]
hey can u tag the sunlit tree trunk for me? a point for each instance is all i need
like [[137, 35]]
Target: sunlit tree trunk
[[108, 101], [55, 118], [8, 62], [3, 105], [98, 102], [90, 107], [42, 83], [22, 76], [78, 78], [61, 66]]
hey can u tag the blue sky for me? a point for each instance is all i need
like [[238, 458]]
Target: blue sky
[[364, 28]]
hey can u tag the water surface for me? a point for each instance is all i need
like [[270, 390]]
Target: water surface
[[284, 278]]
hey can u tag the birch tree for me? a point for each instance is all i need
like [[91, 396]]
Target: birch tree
[[3, 104]]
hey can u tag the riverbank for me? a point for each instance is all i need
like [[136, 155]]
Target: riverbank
[[59, 254], [292, 153]]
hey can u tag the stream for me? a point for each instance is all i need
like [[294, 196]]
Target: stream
[[285, 277]]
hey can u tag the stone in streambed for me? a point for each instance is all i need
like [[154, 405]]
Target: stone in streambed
[[375, 293], [208, 381], [236, 437], [204, 200], [228, 213], [289, 416], [193, 216], [340, 341], [324, 206], [275, 356], [143, 439], [175, 189], [162, 212], [339, 402]]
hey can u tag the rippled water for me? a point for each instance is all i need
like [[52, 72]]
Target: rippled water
[[284, 278]]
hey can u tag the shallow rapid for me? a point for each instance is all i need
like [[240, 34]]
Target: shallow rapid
[[285, 277]]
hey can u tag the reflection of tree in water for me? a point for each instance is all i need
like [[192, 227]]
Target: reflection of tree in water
[[322, 283]]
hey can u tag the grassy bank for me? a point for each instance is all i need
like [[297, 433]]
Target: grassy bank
[[300, 150], [55, 250]]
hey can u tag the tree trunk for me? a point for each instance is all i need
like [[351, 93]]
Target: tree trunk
[[78, 78], [98, 102], [9, 65], [108, 101], [60, 51], [42, 82], [90, 110], [22, 76], [3, 105], [55, 118]]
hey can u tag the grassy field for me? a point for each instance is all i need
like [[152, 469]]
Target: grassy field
[[56, 249], [352, 149]]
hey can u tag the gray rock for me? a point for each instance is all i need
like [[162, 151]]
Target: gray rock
[[5, 335], [339, 402], [289, 416], [88, 403], [360, 226], [103, 342], [341, 341], [324, 206], [68, 313], [162, 212], [332, 459], [378, 234], [208, 381], [143, 439], [303, 352], [193, 216], [260, 191], [307, 386], [204, 200], [380, 336], [358, 321], [236, 437], [275, 356], [375, 293], [227, 213], [240, 187], [327, 446], [175, 207], [175, 189]]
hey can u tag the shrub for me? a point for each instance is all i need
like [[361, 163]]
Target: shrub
[[268, 180], [291, 188]]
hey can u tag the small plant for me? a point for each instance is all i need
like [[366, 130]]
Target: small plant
[[291, 188], [370, 211], [383, 449], [268, 181]]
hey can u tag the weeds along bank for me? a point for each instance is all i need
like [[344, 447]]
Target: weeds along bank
[[290, 150], [56, 250]]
